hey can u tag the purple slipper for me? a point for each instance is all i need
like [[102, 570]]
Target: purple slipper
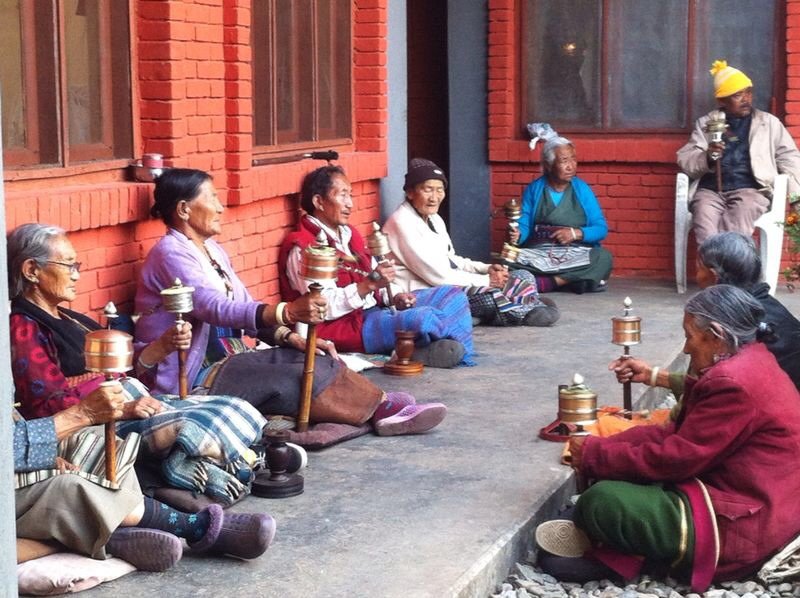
[[243, 535], [412, 419], [146, 549]]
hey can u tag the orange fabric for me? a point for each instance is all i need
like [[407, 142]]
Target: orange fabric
[[610, 421]]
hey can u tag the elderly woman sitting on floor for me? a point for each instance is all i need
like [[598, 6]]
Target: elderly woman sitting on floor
[[92, 516], [708, 497], [195, 440], [562, 218], [225, 315], [424, 258]]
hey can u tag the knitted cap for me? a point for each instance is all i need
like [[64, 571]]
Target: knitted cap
[[421, 170], [728, 80]]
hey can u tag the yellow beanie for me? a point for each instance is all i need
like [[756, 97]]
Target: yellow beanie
[[728, 80]]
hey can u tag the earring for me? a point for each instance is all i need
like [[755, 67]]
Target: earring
[[33, 280]]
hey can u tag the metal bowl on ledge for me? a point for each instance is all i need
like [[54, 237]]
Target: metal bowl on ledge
[[145, 174]]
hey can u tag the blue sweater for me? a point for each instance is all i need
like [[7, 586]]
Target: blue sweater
[[596, 228]]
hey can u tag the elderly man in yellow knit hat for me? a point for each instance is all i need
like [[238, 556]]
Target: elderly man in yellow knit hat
[[756, 147]]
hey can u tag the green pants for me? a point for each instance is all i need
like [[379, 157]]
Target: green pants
[[639, 519]]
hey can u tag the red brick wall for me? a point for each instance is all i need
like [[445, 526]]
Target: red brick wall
[[633, 176], [194, 92]]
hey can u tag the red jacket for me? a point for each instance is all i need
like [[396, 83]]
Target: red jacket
[[738, 435], [344, 331]]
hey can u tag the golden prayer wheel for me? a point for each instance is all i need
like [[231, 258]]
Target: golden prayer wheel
[[108, 351], [319, 262], [378, 242], [577, 404], [512, 209], [626, 330], [510, 252]]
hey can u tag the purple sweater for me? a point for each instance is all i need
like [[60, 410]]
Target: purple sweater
[[175, 256]]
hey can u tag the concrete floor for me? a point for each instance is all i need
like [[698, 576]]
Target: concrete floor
[[448, 512]]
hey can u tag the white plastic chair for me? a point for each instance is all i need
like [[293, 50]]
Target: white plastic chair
[[769, 227]]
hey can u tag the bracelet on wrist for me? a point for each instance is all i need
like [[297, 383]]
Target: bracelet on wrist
[[281, 335], [145, 365], [654, 375], [288, 319], [574, 236], [279, 309]]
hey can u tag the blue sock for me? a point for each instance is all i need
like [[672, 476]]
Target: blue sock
[[158, 515]]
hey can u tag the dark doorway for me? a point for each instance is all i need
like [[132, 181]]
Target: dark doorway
[[428, 133]]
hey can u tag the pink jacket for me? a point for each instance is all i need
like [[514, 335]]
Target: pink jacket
[[736, 440]]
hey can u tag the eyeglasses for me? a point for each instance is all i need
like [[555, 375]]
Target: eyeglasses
[[73, 267]]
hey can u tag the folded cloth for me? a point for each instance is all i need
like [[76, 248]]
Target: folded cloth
[[66, 572], [218, 428], [610, 421]]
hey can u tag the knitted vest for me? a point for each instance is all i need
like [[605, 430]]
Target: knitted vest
[[346, 330]]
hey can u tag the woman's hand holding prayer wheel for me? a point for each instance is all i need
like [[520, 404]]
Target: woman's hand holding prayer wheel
[[307, 309], [102, 405], [629, 369]]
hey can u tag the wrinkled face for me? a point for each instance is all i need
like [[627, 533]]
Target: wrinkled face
[[427, 197], [739, 104], [705, 276], [700, 345], [205, 212], [335, 207], [564, 166], [58, 282]]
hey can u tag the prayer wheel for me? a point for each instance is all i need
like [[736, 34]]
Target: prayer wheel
[[177, 299], [319, 261], [109, 352], [512, 211], [378, 242], [626, 330], [510, 252], [577, 404]]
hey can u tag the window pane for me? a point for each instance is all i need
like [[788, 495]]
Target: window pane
[[333, 57], [84, 93], [11, 75], [262, 43], [563, 62], [717, 23], [647, 42], [295, 97]]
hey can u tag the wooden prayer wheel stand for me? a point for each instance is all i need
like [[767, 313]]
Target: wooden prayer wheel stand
[[626, 331], [109, 352], [278, 483], [177, 299]]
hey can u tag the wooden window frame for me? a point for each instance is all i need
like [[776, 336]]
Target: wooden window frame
[[267, 43], [777, 99], [41, 77]]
